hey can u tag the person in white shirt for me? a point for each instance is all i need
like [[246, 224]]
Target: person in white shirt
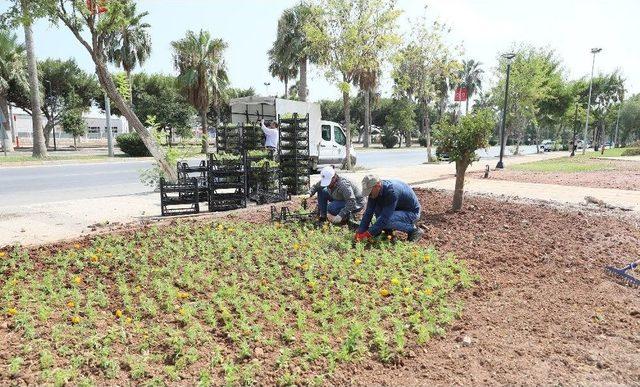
[[271, 133]]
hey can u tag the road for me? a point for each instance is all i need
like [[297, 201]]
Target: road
[[54, 183]]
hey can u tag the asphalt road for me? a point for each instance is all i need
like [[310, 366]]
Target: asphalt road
[[54, 183]]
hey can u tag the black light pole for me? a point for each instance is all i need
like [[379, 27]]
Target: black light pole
[[53, 115], [508, 56], [575, 125]]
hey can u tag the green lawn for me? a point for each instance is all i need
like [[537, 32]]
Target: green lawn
[[579, 163], [220, 303]]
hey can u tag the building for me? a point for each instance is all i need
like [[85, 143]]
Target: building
[[95, 120]]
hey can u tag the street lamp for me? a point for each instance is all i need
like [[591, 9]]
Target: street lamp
[[508, 57], [575, 126], [594, 51], [53, 114], [266, 87]]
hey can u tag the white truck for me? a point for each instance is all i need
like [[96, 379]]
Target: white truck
[[327, 140]]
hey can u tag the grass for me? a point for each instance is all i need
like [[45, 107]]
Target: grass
[[221, 303], [579, 163]]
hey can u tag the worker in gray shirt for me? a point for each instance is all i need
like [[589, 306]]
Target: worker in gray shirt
[[338, 197]]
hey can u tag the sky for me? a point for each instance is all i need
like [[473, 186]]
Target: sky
[[486, 28]]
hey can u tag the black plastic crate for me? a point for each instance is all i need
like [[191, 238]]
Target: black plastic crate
[[179, 198]]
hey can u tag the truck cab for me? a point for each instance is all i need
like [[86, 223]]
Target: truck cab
[[332, 147]]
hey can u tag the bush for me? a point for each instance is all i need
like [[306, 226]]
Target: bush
[[422, 141], [132, 145], [631, 152], [388, 139]]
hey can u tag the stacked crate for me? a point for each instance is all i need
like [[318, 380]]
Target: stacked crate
[[229, 138], [293, 153], [227, 183]]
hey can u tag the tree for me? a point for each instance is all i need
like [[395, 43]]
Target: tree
[[65, 86], [471, 78], [422, 69], [282, 69], [291, 48], [343, 34], [24, 12], [367, 81], [79, 18], [73, 124], [460, 141], [630, 120], [12, 70], [608, 91], [129, 45], [199, 59], [402, 118], [157, 95]]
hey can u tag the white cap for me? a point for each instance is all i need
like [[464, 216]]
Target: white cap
[[326, 174]]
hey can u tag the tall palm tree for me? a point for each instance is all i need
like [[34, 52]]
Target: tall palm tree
[[203, 76], [367, 81], [39, 147], [471, 78], [12, 69], [282, 68], [130, 46], [291, 44]]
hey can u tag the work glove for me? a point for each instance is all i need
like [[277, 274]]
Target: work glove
[[337, 219], [363, 236]]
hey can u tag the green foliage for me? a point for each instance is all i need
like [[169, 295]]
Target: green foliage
[[461, 140], [388, 137], [402, 118], [631, 152], [73, 123], [305, 296], [132, 145], [630, 119], [131, 45]]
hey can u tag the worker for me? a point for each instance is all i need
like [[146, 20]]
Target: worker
[[271, 134], [338, 197], [395, 206]]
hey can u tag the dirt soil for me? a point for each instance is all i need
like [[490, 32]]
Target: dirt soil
[[543, 311], [625, 176]]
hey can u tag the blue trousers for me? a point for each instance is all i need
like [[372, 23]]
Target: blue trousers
[[400, 220], [326, 204]]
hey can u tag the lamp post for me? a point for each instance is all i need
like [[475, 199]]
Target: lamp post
[[615, 138], [575, 126], [266, 87], [594, 51], [508, 56], [53, 114]]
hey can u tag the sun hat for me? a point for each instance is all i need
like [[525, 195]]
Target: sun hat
[[326, 174], [368, 182]]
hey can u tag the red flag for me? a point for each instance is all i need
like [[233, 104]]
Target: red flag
[[461, 94], [98, 5]]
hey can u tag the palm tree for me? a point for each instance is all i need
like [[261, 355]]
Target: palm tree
[[39, 147], [291, 44], [471, 78], [367, 81], [203, 76], [131, 45], [282, 69], [12, 70]]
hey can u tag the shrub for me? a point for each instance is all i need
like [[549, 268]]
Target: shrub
[[132, 145], [422, 141], [631, 152], [388, 138]]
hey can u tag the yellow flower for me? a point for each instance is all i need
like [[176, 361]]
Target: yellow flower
[[183, 295], [77, 245], [358, 261], [77, 280], [128, 320], [118, 313], [384, 292], [2, 254], [311, 284], [94, 258], [12, 311], [220, 227], [137, 289], [296, 246], [109, 255], [231, 229], [395, 281], [181, 311], [304, 266], [428, 291], [427, 257], [71, 304], [75, 319], [406, 290], [389, 237]]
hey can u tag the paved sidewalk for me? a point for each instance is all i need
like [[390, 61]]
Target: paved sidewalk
[[41, 223]]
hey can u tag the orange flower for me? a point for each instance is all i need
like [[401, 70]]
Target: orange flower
[[71, 304], [77, 245]]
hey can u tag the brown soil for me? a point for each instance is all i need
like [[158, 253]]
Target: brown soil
[[543, 311], [625, 176]]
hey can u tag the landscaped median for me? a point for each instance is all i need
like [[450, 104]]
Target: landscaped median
[[217, 303]]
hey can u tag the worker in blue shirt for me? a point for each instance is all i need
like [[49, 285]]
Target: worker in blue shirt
[[395, 206]]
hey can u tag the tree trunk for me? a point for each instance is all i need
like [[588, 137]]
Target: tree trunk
[[75, 146], [458, 193], [205, 132], [302, 89], [407, 139], [6, 136], [466, 110], [48, 128], [347, 123], [427, 131], [154, 148], [286, 88], [130, 80], [367, 118], [39, 147]]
